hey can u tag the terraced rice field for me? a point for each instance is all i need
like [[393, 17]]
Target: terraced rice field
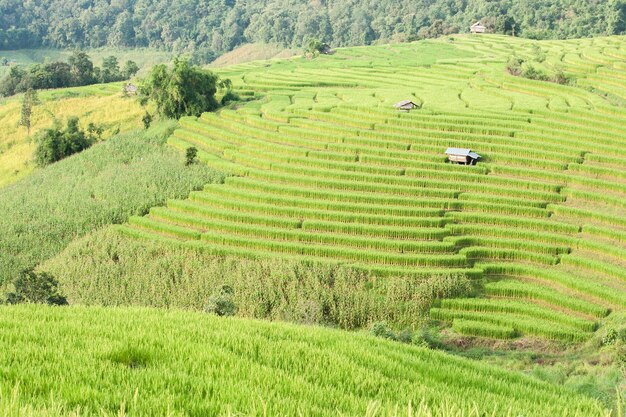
[[322, 167]]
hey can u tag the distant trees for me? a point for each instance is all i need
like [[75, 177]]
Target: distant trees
[[78, 71], [57, 143], [183, 90], [206, 28]]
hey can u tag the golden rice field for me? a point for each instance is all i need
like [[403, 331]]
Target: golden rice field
[[100, 104]]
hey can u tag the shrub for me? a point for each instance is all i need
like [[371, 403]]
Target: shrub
[[221, 303], [147, 120], [32, 287], [380, 329], [230, 96], [514, 66], [55, 143], [190, 155], [184, 90]]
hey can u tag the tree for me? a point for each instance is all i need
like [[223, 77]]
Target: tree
[[32, 287], [190, 155], [4, 62], [28, 102], [82, 68], [184, 90], [110, 70], [147, 120], [55, 143], [130, 69], [617, 17]]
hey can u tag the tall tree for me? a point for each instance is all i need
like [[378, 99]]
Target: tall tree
[[82, 68], [28, 102], [184, 90]]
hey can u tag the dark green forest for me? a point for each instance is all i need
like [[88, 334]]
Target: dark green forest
[[208, 28]]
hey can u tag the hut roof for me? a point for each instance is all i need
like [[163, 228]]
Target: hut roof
[[477, 24], [462, 152], [404, 103]]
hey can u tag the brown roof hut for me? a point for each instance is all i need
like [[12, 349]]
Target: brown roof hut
[[462, 156], [477, 28], [405, 105]]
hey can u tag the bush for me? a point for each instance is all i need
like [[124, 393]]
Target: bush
[[55, 143], [32, 287], [514, 66], [229, 97], [221, 303], [184, 90], [380, 329], [190, 155]]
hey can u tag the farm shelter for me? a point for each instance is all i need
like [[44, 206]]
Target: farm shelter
[[130, 89], [477, 28], [462, 156], [405, 105]]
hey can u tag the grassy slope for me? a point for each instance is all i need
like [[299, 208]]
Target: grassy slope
[[105, 184], [253, 52], [158, 274], [112, 359]]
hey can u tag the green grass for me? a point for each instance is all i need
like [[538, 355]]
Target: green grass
[[105, 184], [107, 360]]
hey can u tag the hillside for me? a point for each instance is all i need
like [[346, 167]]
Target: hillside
[[324, 170], [117, 362], [314, 201], [105, 184]]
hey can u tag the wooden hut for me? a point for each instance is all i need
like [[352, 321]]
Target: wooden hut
[[477, 28], [405, 105], [131, 89], [462, 156]]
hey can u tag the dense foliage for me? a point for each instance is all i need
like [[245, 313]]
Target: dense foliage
[[183, 90], [57, 143], [78, 71], [125, 271], [210, 27], [105, 184], [33, 287]]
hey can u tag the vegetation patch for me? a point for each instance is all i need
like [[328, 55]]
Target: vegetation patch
[[100, 186]]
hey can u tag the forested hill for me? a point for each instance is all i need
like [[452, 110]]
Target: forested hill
[[211, 27]]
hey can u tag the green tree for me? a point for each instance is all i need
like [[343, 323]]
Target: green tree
[[147, 120], [190, 155], [130, 69], [55, 143], [28, 102], [184, 90], [110, 70], [32, 287], [81, 68]]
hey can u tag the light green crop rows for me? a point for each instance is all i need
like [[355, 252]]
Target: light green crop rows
[[324, 167]]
